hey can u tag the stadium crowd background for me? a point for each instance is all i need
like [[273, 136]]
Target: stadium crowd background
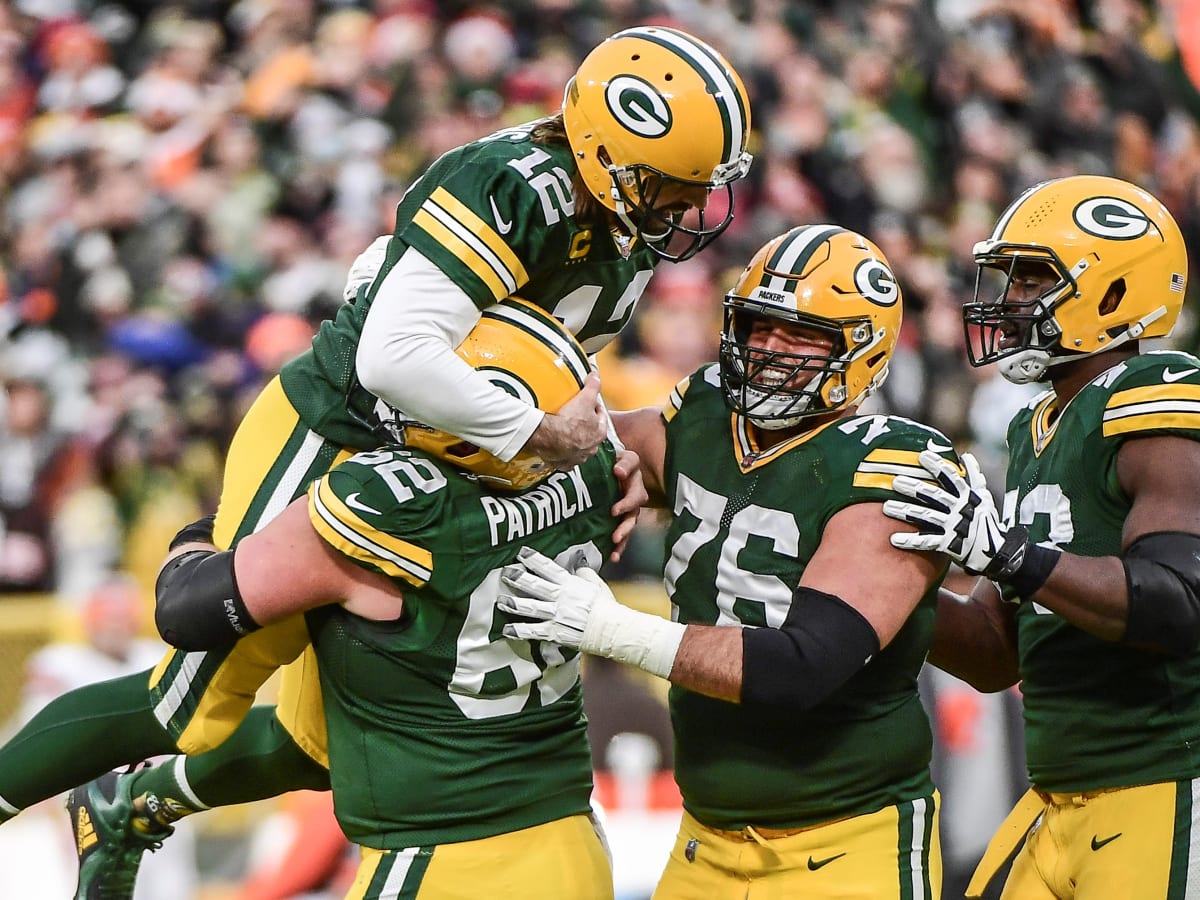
[[183, 187]]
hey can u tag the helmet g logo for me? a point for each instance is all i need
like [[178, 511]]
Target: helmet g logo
[[638, 106], [510, 384], [876, 282], [1109, 217]]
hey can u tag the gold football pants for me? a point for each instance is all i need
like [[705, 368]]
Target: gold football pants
[[892, 854], [201, 697], [560, 860], [1136, 843]]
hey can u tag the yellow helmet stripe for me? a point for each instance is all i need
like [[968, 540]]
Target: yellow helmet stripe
[[346, 532], [716, 77], [545, 329]]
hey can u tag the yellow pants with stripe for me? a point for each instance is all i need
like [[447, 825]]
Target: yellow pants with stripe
[[561, 860], [892, 854], [201, 697], [1135, 843]]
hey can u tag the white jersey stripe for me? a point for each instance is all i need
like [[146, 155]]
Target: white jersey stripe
[[7, 808], [468, 237], [363, 542], [1152, 407]]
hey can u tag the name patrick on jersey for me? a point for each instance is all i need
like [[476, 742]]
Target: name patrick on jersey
[[561, 496]]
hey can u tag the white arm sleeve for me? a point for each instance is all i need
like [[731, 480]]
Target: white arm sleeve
[[406, 358]]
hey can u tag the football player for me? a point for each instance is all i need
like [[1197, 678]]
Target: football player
[[802, 749], [1091, 587], [459, 760], [571, 213]]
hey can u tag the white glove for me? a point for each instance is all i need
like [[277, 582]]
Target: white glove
[[957, 517], [578, 610], [560, 600], [365, 267]]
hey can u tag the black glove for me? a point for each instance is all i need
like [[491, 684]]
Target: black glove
[[199, 531]]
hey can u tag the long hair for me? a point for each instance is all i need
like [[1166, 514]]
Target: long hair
[[588, 210]]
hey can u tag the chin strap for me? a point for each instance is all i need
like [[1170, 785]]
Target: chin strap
[[1029, 366]]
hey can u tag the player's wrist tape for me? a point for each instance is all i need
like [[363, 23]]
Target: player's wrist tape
[[1162, 575], [1021, 563], [635, 638], [200, 531], [197, 602]]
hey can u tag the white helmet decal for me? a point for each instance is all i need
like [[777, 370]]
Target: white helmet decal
[[638, 106], [1112, 218], [876, 282], [510, 384]]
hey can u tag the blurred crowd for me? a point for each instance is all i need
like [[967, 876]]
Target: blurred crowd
[[184, 185]]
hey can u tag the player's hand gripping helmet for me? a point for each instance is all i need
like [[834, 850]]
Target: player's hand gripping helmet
[[827, 279], [652, 107], [527, 353], [1119, 268]]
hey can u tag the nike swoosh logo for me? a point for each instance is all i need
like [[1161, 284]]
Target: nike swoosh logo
[[501, 226], [1169, 376], [354, 503], [814, 864], [1097, 844], [937, 448]]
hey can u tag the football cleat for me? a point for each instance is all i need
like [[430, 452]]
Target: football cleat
[[107, 842]]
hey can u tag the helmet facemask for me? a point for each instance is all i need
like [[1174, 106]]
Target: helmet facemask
[[768, 387], [1000, 327], [636, 190]]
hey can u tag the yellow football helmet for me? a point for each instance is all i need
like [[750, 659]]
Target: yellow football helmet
[[827, 279], [651, 107], [528, 353], [1119, 264]]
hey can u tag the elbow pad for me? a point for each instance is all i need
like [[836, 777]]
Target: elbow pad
[[1162, 573], [822, 643], [197, 603]]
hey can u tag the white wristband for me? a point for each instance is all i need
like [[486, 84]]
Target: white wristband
[[639, 639]]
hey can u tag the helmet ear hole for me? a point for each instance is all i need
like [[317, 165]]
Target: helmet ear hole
[[1112, 297], [461, 450]]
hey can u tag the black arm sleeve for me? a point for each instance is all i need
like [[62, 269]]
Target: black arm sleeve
[[197, 603], [1162, 573], [823, 641]]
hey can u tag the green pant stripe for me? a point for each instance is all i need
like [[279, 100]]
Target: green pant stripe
[[304, 456], [399, 874], [182, 685], [1181, 847], [915, 832]]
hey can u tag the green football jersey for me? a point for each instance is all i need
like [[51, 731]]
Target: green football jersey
[[496, 216], [1097, 713], [440, 729], [746, 522]]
